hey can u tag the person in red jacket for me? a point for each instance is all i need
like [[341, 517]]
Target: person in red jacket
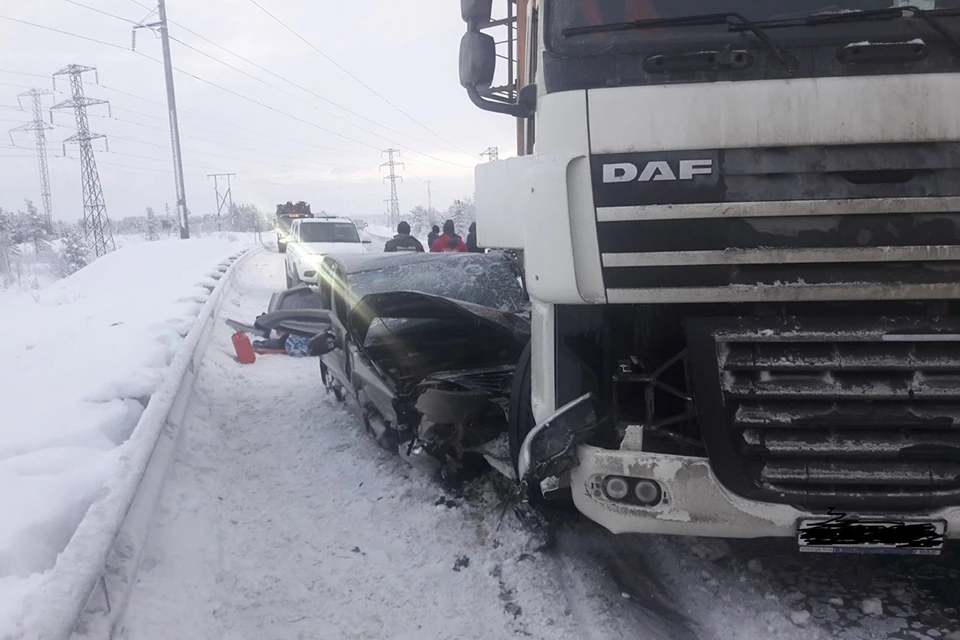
[[449, 241]]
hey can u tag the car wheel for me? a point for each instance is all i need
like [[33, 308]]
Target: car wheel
[[286, 273]]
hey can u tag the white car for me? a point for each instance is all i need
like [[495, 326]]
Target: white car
[[312, 238]]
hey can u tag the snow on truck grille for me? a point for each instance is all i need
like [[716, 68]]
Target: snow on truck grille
[[864, 415]]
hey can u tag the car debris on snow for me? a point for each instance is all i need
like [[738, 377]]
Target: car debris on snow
[[462, 563]]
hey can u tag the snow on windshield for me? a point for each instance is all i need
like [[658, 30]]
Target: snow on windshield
[[489, 281]]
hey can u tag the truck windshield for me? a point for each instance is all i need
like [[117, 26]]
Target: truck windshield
[[328, 232], [576, 15]]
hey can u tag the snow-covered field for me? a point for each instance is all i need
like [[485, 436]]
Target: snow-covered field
[[82, 357]]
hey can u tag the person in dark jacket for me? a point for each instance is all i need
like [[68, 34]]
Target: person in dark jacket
[[433, 235], [472, 239], [403, 241], [449, 241]]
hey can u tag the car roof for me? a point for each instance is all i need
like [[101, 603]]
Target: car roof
[[325, 219], [351, 263]]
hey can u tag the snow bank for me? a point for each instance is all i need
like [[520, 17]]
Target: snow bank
[[83, 357]]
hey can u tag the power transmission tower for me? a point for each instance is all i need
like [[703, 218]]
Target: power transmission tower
[[393, 217], [492, 154], [40, 128], [96, 225], [228, 195], [161, 26]]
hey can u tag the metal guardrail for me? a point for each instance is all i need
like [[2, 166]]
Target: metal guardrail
[[87, 590]]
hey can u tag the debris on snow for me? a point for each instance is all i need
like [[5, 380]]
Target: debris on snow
[[872, 607], [800, 618], [462, 563]]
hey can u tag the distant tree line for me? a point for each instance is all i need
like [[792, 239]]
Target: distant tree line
[[462, 211]]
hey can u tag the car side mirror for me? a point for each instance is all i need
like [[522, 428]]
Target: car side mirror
[[323, 343]]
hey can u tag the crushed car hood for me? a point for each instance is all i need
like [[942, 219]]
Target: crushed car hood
[[413, 304]]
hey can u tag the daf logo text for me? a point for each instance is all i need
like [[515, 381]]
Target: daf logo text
[[656, 171]]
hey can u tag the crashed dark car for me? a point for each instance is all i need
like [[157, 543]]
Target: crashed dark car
[[423, 347]]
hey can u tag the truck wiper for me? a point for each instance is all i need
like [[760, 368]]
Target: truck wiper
[[890, 13], [734, 22]]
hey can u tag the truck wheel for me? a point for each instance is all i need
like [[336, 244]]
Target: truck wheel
[[520, 421]]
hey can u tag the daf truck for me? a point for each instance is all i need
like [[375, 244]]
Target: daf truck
[[740, 229]]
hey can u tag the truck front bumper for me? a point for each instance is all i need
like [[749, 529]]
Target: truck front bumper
[[692, 502]]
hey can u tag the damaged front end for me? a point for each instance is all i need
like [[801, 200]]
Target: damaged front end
[[436, 373]]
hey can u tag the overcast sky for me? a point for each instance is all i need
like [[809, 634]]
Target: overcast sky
[[314, 151]]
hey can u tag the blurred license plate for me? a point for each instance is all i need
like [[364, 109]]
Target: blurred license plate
[[853, 535]]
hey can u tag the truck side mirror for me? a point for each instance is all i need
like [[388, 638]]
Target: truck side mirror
[[478, 60], [476, 11]]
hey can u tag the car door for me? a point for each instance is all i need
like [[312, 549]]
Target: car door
[[338, 360]]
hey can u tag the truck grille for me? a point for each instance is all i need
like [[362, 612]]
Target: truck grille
[[861, 416]]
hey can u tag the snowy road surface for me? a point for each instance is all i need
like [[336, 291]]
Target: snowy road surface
[[282, 519]]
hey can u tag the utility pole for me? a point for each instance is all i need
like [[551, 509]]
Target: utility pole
[[491, 153], [429, 197], [161, 26], [222, 202], [393, 217], [40, 128], [96, 225]]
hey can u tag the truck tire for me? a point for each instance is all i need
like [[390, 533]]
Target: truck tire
[[520, 421]]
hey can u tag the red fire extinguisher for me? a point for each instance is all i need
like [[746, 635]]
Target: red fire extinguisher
[[241, 344]]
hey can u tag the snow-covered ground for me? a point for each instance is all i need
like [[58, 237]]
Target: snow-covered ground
[[280, 519], [81, 358]]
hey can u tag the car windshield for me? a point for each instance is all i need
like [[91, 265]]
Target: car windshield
[[328, 232], [578, 14], [487, 281]]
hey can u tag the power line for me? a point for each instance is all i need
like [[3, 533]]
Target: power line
[[101, 11], [74, 35], [364, 84], [274, 88], [222, 88], [290, 82]]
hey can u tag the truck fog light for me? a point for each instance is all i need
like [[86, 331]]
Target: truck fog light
[[648, 492], [616, 487]]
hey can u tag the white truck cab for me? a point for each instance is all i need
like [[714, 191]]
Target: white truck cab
[[312, 238], [740, 225]]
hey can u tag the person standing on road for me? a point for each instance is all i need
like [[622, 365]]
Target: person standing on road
[[432, 236], [472, 239], [449, 241], [403, 241]]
